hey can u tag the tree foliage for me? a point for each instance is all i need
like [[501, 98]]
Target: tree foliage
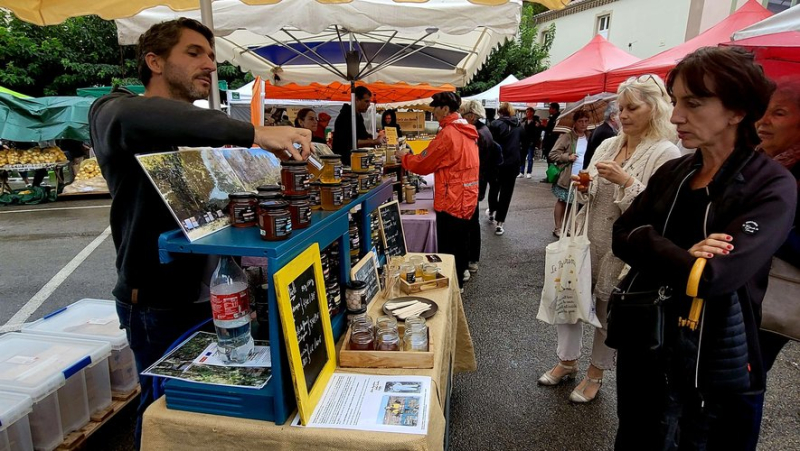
[[81, 52], [521, 57]]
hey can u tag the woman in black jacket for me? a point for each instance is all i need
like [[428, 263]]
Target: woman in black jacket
[[509, 134], [389, 119], [724, 203]]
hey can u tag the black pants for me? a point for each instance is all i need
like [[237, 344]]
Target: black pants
[[500, 191], [453, 236], [475, 236]]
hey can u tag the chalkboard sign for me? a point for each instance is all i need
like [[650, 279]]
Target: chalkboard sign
[[303, 307], [367, 271], [394, 240]]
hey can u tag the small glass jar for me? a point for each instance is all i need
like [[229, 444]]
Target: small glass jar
[[314, 195], [300, 209], [415, 337], [331, 196], [269, 189], [294, 178], [359, 161], [354, 315], [363, 183], [363, 321], [418, 261], [386, 322], [331, 169], [356, 295], [314, 166], [361, 339], [242, 209], [334, 297], [408, 272], [354, 187], [387, 339], [347, 190], [375, 178], [274, 220], [429, 272], [410, 194]]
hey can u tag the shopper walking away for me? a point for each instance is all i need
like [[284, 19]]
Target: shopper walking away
[[157, 303], [728, 205], [453, 157], [568, 153], [619, 171], [509, 134], [531, 141], [491, 156], [550, 137]]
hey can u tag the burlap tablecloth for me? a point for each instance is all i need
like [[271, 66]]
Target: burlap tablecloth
[[166, 429]]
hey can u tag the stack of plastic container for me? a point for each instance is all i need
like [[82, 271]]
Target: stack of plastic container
[[15, 430], [94, 319], [52, 372]]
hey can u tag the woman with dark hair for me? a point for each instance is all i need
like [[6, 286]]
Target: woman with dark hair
[[389, 119], [567, 153], [307, 118], [724, 206], [509, 134]]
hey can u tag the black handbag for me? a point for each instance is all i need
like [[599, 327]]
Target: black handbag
[[636, 315]]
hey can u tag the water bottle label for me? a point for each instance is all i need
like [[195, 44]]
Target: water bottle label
[[228, 307]]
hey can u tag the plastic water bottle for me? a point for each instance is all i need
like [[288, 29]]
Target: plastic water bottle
[[230, 305]]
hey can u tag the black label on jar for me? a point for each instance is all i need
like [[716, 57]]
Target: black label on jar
[[365, 162], [304, 214], [244, 214], [283, 226], [338, 197], [337, 172], [301, 182], [411, 277], [314, 197]]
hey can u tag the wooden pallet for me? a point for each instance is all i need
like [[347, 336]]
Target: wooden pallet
[[77, 439]]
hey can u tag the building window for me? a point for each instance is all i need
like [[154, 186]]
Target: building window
[[545, 36], [603, 24], [777, 6]]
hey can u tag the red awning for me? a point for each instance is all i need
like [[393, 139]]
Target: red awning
[[381, 92], [660, 64], [779, 53], [581, 74]]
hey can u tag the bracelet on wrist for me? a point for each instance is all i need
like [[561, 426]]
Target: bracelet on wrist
[[624, 185]]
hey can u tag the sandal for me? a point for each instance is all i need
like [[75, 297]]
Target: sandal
[[549, 379], [579, 394]]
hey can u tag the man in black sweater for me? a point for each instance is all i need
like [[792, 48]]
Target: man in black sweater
[[157, 303], [342, 128]]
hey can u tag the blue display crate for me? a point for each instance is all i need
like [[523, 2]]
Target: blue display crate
[[326, 227]]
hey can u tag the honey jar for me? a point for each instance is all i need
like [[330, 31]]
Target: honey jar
[[331, 169], [313, 195], [360, 160], [331, 196], [300, 210], [242, 209], [274, 220], [314, 166], [294, 178]]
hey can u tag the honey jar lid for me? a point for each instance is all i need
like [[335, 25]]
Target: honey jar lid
[[273, 205], [297, 197], [357, 312], [293, 163], [264, 196], [268, 188], [356, 285], [331, 157], [242, 195]]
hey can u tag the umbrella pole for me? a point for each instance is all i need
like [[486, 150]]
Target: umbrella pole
[[207, 18], [353, 115]]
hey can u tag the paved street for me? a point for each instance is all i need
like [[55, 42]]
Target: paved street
[[497, 408]]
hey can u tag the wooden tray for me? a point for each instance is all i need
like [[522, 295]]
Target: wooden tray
[[385, 359], [418, 287]]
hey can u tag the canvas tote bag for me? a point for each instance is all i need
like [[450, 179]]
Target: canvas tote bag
[[780, 310]]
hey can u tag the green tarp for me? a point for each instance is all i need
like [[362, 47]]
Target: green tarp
[[44, 119], [14, 93], [100, 91]]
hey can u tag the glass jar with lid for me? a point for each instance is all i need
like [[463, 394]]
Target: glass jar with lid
[[314, 195], [361, 338], [274, 220], [331, 169], [415, 337], [408, 272], [359, 161], [300, 209], [314, 166], [242, 209], [294, 178], [347, 190], [387, 339], [331, 196], [363, 183], [356, 295], [265, 196]]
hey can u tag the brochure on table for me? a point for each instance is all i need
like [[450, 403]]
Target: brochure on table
[[183, 363], [397, 404]]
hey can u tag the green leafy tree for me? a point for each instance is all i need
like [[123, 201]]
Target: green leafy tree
[[522, 56]]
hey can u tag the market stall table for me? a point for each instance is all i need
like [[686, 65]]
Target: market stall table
[[420, 229], [165, 429]]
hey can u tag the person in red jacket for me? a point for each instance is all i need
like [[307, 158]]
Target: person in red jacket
[[453, 157]]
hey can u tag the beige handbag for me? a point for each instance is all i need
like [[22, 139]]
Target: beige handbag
[[780, 311]]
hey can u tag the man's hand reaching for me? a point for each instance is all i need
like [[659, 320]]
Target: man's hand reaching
[[281, 141]]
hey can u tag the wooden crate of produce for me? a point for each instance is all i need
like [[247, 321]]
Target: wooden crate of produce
[[417, 287], [385, 359]]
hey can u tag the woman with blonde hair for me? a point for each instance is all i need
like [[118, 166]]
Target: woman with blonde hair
[[619, 171]]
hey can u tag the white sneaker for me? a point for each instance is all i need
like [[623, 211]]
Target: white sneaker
[[490, 215], [499, 230], [467, 276], [528, 175], [472, 267], [519, 176]]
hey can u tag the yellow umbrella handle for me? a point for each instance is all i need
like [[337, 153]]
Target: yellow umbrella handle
[[692, 288]]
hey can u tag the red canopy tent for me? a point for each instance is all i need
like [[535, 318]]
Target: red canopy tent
[[660, 64], [778, 53], [336, 91], [580, 74]]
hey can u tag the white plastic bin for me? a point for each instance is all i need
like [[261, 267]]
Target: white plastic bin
[[51, 370], [94, 319], [15, 429]]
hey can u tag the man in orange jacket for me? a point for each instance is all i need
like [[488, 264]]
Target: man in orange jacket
[[453, 157]]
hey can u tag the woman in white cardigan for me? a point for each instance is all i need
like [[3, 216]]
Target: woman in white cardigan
[[619, 170]]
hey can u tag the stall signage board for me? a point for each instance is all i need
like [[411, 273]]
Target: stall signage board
[[394, 240], [367, 271], [391, 135], [411, 121], [303, 307]]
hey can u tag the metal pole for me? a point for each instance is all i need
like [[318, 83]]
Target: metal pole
[[207, 18], [353, 111]]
